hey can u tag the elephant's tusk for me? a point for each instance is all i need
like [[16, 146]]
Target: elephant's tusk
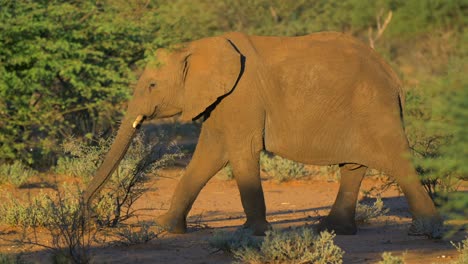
[[138, 121]]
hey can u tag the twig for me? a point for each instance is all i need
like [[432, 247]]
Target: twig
[[380, 28]]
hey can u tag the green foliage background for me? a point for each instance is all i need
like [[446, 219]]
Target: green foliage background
[[67, 67]]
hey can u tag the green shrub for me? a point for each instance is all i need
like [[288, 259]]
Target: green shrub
[[79, 159], [16, 173], [64, 72], [127, 182], [11, 259], [329, 172], [462, 249], [281, 169], [226, 173], [27, 212], [231, 241], [129, 236], [437, 117], [296, 246], [60, 215], [70, 233], [387, 258], [364, 213]]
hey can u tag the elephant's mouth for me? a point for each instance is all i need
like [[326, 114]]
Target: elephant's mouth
[[155, 113]]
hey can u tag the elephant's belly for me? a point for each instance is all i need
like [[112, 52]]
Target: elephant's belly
[[308, 145]]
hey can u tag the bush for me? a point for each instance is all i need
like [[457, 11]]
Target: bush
[[71, 234], [11, 259], [296, 246], [232, 241], [437, 120], [129, 236], [330, 172], [64, 72], [16, 173], [387, 258], [33, 213], [281, 169], [364, 213], [462, 249], [60, 215], [226, 173], [126, 184], [79, 159]]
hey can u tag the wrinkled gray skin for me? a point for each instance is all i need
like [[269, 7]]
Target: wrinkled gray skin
[[319, 99]]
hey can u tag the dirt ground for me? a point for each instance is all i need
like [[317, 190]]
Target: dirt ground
[[289, 204]]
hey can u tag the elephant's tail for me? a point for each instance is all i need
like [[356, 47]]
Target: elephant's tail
[[401, 97]]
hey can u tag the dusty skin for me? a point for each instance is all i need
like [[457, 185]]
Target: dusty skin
[[219, 208], [324, 98]]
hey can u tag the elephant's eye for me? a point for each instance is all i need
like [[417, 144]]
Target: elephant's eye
[[152, 85]]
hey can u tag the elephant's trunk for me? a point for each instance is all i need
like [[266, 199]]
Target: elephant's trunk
[[114, 156]]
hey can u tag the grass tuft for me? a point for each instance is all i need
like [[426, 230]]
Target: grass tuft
[[34, 212], [296, 246], [225, 174], [127, 183], [365, 213], [231, 241], [388, 258], [462, 248], [281, 169], [131, 236], [11, 259], [16, 173]]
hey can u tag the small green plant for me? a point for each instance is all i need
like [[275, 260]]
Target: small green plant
[[61, 216], [81, 160], [281, 169], [126, 184], [364, 213], [226, 173], [387, 258], [71, 235], [232, 241], [15, 173], [462, 248], [296, 246], [332, 172], [11, 259], [32, 213], [142, 235]]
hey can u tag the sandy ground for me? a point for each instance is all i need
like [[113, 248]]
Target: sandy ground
[[288, 204]]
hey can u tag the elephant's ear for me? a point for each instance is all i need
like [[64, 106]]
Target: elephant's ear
[[210, 70]]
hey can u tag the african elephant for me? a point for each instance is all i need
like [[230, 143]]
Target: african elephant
[[324, 98]]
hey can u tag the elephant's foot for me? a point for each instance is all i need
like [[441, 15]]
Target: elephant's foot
[[258, 228], [172, 224], [431, 227], [340, 227]]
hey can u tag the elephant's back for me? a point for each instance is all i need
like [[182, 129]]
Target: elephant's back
[[334, 92], [326, 55]]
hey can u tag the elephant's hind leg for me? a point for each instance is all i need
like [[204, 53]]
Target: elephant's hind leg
[[426, 220], [341, 218]]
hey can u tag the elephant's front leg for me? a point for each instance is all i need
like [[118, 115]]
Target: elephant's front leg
[[246, 169], [341, 218], [207, 160]]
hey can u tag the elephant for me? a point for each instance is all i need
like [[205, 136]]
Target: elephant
[[324, 98]]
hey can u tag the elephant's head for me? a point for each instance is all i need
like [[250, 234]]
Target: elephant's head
[[185, 81]]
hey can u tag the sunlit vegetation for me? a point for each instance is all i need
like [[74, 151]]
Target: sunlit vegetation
[[67, 69]]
